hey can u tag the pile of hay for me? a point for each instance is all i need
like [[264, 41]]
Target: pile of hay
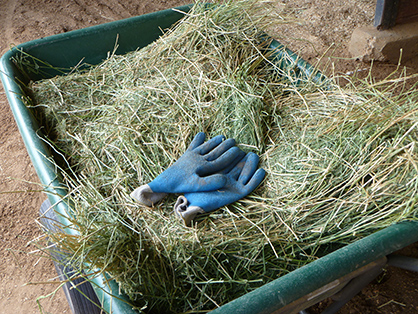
[[341, 162]]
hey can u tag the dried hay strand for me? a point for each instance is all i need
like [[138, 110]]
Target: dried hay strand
[[341, 162]]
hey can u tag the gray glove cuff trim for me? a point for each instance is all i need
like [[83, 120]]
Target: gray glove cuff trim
[[184, 212], [146, 196]]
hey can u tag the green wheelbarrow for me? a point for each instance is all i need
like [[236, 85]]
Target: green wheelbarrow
[[340, 274]]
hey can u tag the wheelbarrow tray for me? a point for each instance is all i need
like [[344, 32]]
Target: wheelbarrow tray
[[92, 45]]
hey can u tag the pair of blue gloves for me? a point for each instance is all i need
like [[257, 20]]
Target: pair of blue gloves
[[209, 175]]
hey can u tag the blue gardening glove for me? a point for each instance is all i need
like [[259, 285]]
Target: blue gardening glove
[[242, 179], [197, 170]]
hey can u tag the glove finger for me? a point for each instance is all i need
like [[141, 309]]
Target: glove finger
[[210, 183], [235, 172], [227, 161], [205, 148], [255, 181], [249, 168], [216, 152], [198, 140], [233, 163]]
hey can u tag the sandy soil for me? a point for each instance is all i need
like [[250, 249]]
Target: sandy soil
[[322, 33]]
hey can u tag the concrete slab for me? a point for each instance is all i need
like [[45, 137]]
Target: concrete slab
[[401, 41]]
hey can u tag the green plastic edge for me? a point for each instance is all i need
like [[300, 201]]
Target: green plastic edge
[[265, 299], [302, 281]]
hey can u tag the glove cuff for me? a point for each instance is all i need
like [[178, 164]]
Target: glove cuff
[[185, 212], [146, 196]]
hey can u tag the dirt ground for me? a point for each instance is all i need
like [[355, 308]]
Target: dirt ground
[[322, 33]]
